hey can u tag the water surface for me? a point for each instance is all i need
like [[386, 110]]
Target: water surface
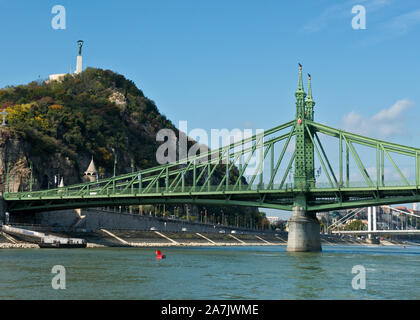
[[263, 272]]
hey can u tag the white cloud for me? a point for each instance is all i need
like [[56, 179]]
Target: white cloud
[[385, 123], [403, 23], [393, 27]]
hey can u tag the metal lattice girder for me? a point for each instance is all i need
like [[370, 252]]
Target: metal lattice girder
[[186, 181], [143, 187], [382, 148]]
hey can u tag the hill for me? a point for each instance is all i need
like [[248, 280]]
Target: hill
[[60, 125]]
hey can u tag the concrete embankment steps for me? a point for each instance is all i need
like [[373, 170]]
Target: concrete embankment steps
[[115, 237], [5, 238], [136, 238], [39, 238], [268, 239], [133, 236], [239, 240], [166, 237], [186, 237], [204, 237], [221, 238], [258, 237], [281, 239], [96, 237]]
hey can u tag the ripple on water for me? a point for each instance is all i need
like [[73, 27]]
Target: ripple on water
[[215, 273]]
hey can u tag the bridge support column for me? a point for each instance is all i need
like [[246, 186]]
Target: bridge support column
[[369, 221], [304, 232], [374, 219]]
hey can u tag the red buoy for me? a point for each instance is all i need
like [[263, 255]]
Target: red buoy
[[159, 255]]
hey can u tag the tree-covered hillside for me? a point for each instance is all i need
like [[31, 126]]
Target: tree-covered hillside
[[92, 113], [60, 125]]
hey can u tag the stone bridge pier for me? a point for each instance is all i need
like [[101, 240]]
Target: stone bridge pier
[[304, 232]]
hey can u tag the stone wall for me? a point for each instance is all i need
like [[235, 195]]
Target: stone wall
[[94, 219]]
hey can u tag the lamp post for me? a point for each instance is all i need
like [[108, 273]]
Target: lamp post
[[115, 163], [7, 177], [115, 168]]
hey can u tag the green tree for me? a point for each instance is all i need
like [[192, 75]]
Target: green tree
[[355, 225]]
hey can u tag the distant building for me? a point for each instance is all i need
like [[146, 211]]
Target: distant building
[[57, 77], [274, 220], [402, 209], [61, 183], [91, 173]]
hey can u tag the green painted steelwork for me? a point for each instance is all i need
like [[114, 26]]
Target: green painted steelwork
[[193, 180]]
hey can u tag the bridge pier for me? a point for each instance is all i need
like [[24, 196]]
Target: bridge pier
[[304, 232]]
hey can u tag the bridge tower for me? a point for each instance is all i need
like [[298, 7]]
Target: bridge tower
[[304, 228]]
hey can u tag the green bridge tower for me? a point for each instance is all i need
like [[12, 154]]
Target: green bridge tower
[[304, 231]]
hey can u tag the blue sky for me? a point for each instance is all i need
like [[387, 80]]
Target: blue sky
[[233, 64]]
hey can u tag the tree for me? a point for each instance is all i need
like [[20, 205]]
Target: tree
[[355, 225]]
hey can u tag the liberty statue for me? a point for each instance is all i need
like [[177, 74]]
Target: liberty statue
[[80, 44]]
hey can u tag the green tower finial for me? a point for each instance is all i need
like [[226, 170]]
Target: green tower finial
[[310, 103], [300, 97], [309, 87], [300, 83]]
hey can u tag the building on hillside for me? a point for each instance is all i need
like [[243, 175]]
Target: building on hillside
[[61, 185], [91, 174]]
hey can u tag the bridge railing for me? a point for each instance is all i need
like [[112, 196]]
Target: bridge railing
[[121, 189]]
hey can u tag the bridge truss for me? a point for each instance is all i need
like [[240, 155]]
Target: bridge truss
[[275, 169]]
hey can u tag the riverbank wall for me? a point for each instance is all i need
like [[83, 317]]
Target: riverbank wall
[[99, 218]]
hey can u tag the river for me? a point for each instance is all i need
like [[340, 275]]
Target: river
[[263, 272]]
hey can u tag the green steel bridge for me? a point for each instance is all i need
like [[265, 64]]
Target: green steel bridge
[[354, 171]]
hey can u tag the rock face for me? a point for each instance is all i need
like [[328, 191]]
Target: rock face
[[119, 99], [16, 153]]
